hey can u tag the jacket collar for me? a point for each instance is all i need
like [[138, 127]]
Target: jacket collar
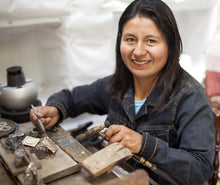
[[128, 102]]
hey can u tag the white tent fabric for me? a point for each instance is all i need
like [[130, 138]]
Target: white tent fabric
[[61, 44]]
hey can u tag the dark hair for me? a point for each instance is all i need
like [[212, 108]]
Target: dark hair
[[163, 17]]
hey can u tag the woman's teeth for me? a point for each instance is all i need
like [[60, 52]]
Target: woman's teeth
[[144, 62]]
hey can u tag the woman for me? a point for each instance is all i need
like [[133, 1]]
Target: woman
[[156, 109]]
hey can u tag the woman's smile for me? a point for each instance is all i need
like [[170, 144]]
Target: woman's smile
[[141, 62]]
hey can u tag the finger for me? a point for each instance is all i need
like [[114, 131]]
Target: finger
[[49, 125], [47, 122], [113, 129], [115, 138], [41, 111], [32, 116]]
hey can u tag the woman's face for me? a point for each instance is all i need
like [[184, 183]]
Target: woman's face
[[144, 49]]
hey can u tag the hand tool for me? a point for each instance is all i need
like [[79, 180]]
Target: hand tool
[[39, 122], [92, 131], [47, 141]]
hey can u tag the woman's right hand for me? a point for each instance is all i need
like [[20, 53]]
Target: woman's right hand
[[49, 115]]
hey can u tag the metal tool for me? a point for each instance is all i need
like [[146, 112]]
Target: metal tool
[[92, 131], [46, 141], [39, 122], [155, 169]]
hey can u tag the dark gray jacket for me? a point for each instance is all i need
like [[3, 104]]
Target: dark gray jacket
[[180, 140]]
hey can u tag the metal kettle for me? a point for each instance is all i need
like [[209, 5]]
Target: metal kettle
[[18, 93]]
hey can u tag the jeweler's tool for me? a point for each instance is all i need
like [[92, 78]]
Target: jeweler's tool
[[47, 141], [92, 131], [39, 122], [154, 168]]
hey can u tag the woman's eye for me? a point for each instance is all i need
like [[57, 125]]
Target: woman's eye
[[130, 40], [151, 41]]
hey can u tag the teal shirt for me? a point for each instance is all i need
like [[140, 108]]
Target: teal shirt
[[138, 105]]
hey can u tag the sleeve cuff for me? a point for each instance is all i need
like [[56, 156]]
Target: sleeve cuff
[[61, 109], [149, 146]]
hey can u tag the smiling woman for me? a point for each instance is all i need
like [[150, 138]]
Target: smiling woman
[[173, 129]]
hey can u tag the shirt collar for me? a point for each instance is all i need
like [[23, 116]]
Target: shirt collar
[[128, 102]]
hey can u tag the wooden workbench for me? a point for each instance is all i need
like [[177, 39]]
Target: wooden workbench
[[77, 152]]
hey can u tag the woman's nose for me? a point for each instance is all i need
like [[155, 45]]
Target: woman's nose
[[139, 50]]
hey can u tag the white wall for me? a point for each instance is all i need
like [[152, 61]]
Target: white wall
[[61, 44]]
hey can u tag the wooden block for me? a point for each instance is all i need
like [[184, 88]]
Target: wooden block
[[105, 159], [70, 145], [56, 167], [52, 168]]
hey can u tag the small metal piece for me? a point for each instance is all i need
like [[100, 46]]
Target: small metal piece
[[35, 133], [4, 126], [30, 141], [13, 142], [41, 151], [21, 134], [49, 144]]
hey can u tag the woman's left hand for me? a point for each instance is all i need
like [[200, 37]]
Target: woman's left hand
[[126, 136]]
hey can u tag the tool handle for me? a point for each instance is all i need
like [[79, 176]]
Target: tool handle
[[92, 131], [39, 122]]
